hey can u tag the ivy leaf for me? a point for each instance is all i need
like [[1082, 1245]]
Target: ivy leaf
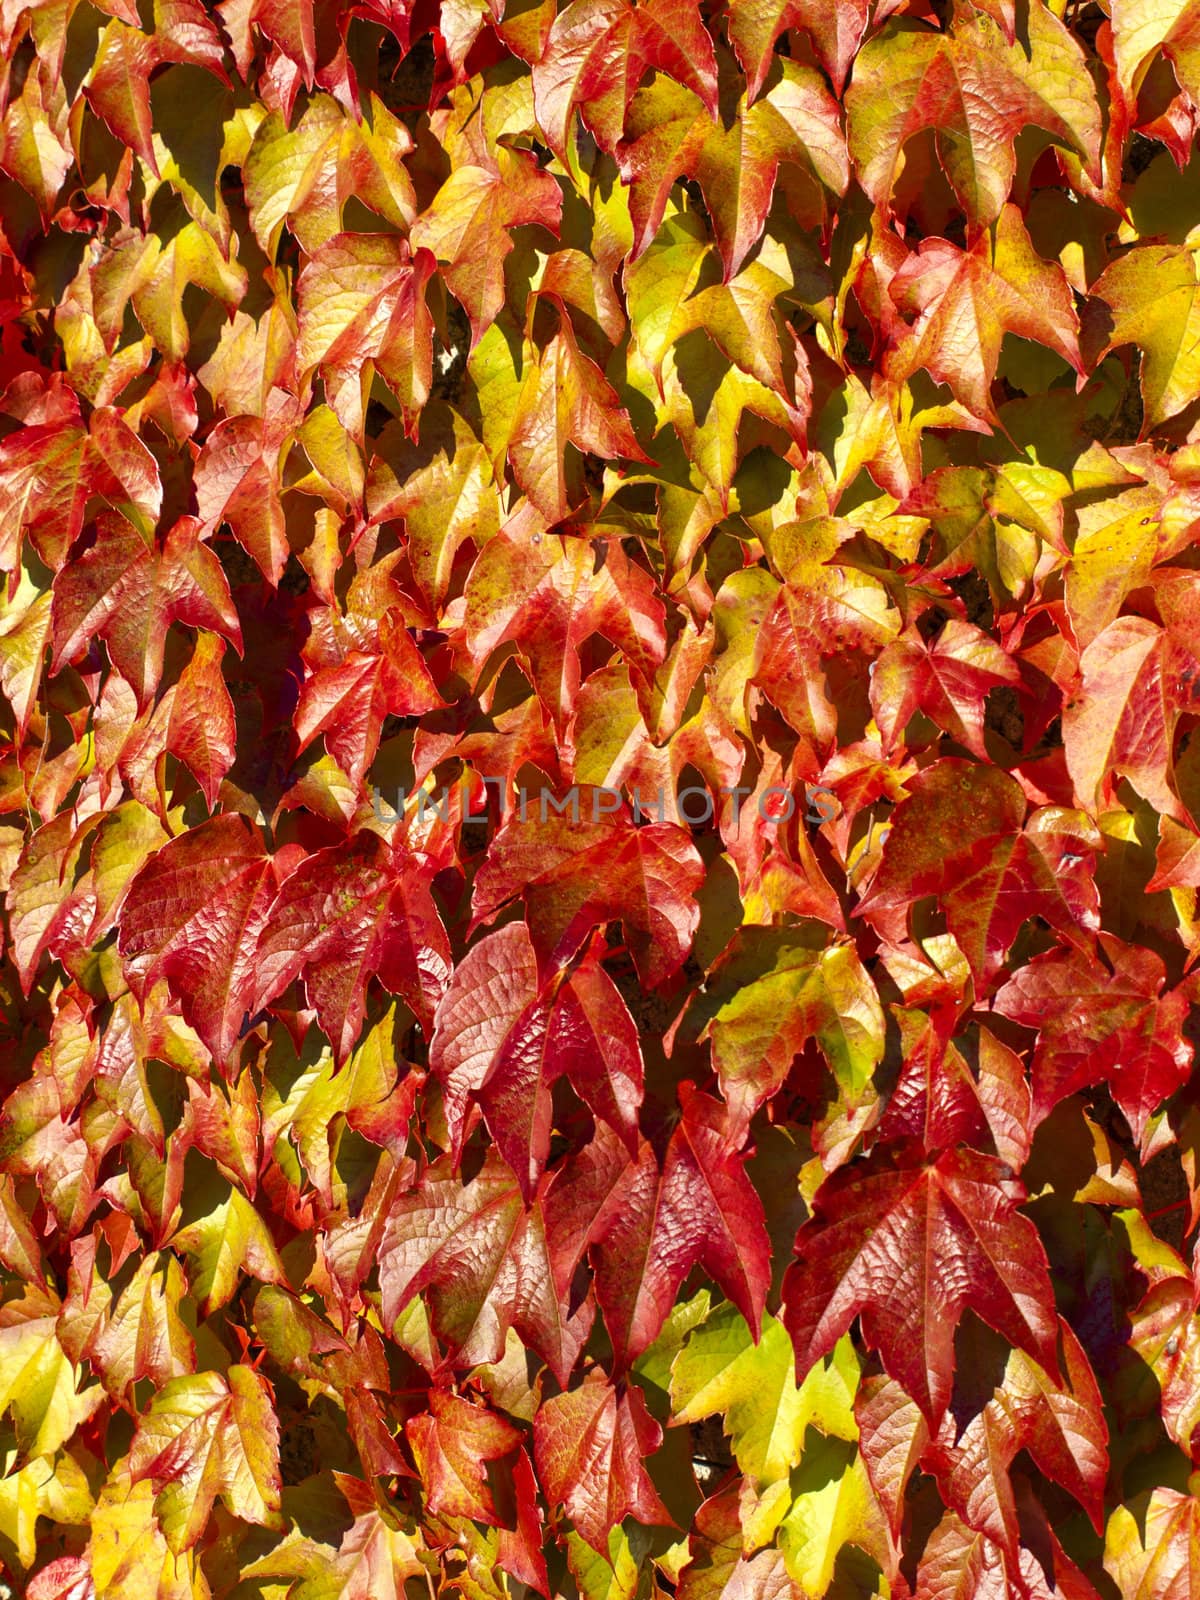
[[1102, 1020], [39, 1386], [466, 226], [118, 87], [362, 311], [481, 1259], [347, 912], [1151, 292], [717, 1566], [961, 835], [203, 730], [454, 1442], [752, 1386], [1135, 680], [144, 1336], [444, 490], [198, 907], [349, 702], [669, 133], [960, 304], [303, 176], [238, 482], [208, 1435], [834, 1507], [939, 1100], [647, 878], [948, 679], [958, 1562], [564, 400], [942, 1237], [502, 1039], [225, 1242], [599, 51], [773, 993], [549, 599], [130, 595], [1156, 1552], [893, 1436], [977, 94], [589, 1445], [755, 26], [698, 1208]]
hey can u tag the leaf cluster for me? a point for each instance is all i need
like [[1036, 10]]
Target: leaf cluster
[[599, 799]]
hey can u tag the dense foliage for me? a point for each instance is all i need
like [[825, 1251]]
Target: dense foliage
[[599, 818]]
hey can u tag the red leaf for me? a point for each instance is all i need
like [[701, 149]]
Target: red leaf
[[549, 599], [908, 1249], [349, 703], [578, 875], [755, 26], [237, 481], [68, 1578], [203, 730], [467, 227], [589, 1444], [565, 399], [193, 915], [453, 1442], [940, 1102], [960, 835], [949, 679], [346, 913], [1102, 1022], [480, 1260], [501, 1039], [599, 51], [129, 595], [362, 310], [698, 1209], [118, 87]]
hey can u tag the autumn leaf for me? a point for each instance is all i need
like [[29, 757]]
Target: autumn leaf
[[649, 878], [820, 991], [597, 54], [194, 904], [1150, 292], [966, 301], [697, 1208], [961, 835], [599, 799], [977, 93], [350, 702], [1161, 1551], [501, 1039], [589, 1444], [467, 225], [1110, 1020], [482, 1259], [564, 400], [129, 595], [959, 1216], [348, 912], [669, 132], [550, 599], [453, 1443], [362, 311], [207, 1435]]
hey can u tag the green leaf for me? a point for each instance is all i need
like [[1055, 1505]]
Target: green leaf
[[753, 1388], [225, 1242], [833, 1507]]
